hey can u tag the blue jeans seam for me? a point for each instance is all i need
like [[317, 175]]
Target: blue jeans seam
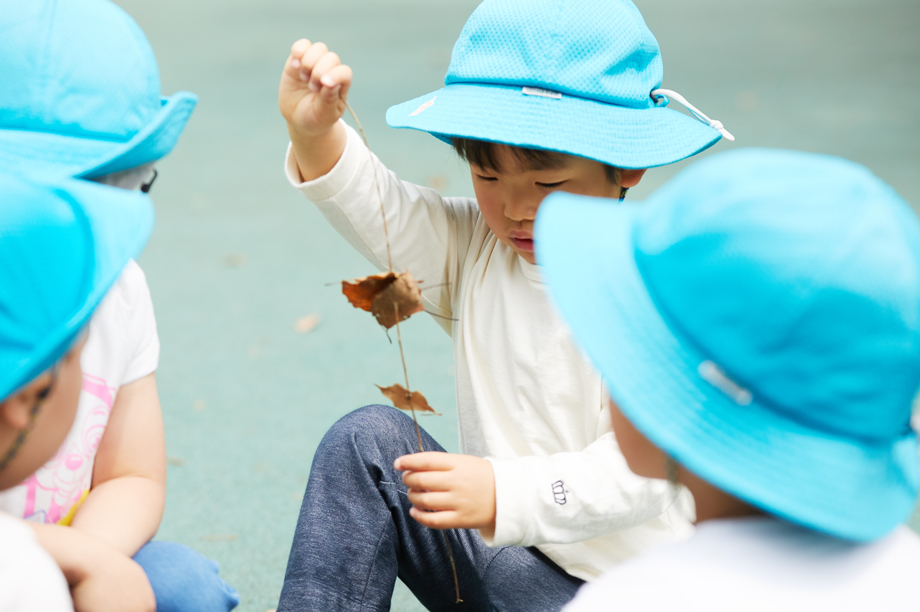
[[370, 572], [491, 561], [376, 548]]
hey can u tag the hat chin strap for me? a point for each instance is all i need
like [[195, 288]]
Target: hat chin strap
[[713, 123]]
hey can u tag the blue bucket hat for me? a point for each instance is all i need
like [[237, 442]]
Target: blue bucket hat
[[61, 248], [81, 90], [581, 77], [759, 321]]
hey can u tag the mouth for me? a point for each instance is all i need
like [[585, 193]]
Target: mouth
[[523, 244]]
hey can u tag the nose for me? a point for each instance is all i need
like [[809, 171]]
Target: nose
[[521, 206]]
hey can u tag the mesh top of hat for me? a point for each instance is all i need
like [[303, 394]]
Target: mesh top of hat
[[596, 49]]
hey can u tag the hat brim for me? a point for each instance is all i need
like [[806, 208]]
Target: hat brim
[[60, 155], [622, 137], [844, 487], [118, 224]]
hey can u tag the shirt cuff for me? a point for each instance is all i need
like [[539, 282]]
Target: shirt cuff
[[511, 502], [333, 182]]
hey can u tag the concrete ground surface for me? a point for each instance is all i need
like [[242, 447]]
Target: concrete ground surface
[[238, 257]]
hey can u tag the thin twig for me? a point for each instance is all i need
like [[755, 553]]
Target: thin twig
[[453, 567], [402, 355], [383, 213], [427, 287], [434, 314]]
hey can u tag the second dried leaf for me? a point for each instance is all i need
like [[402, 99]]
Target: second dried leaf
[[404, 400]]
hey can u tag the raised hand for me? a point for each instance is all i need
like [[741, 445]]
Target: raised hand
[[314, 87]]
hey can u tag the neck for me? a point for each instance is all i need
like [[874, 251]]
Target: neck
[[712, 502]]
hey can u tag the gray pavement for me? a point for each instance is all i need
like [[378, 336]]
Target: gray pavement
[[238, 257]]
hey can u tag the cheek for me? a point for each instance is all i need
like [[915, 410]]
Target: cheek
[[491, 208], [71, 385], [61, 406], [642, 457], [54, 420]]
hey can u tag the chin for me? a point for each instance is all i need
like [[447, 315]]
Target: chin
[[528, 257]]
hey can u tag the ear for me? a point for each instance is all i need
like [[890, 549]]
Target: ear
[[630, 178], [15, 409]]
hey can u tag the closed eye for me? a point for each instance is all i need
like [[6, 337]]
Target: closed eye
[[486, 178], [551, 185]]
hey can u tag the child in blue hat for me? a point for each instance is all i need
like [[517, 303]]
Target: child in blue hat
[[761, 342], [96, 112], [62, 246], [540, 96]]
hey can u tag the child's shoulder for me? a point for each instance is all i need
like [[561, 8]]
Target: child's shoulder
[[128, 292], [123, 344]]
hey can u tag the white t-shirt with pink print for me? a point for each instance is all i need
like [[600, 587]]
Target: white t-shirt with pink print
[[122, 347]]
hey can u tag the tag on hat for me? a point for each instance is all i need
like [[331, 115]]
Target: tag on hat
[[714, 375], [543, 93]]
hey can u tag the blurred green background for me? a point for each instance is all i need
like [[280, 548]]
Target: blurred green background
[[239, 257]]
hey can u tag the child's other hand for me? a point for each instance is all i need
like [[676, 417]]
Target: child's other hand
[[450, 491], [314, 86], [113, 583]]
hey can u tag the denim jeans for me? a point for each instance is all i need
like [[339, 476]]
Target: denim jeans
[[355, 536], [183, 580]]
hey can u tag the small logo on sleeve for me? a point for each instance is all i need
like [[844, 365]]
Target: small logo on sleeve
[[559, 492]]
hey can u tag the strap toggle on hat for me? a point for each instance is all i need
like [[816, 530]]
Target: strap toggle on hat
[[658, 94]]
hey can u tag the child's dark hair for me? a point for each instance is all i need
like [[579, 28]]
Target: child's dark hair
[[483, 153]]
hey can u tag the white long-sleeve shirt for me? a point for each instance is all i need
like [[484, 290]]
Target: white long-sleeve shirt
[[527, 398]]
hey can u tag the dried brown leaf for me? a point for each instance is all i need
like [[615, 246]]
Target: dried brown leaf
[[404, 400], [402, 297], [362, 291], [385, 294]]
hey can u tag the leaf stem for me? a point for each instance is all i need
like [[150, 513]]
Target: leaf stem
[[386, 232], [402, 355], [453, 568]]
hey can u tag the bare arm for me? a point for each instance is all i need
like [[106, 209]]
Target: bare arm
[[101, 579], [311, 97], [125, 505]]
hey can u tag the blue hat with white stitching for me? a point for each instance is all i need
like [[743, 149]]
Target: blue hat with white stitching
[[577, 76], [62, 245], [758, 320], [81, 90]]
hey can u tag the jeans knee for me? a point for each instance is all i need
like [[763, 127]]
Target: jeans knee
[[184, 580], [376, 419]]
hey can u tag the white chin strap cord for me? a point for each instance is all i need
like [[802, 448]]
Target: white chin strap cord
[[713, 123]]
